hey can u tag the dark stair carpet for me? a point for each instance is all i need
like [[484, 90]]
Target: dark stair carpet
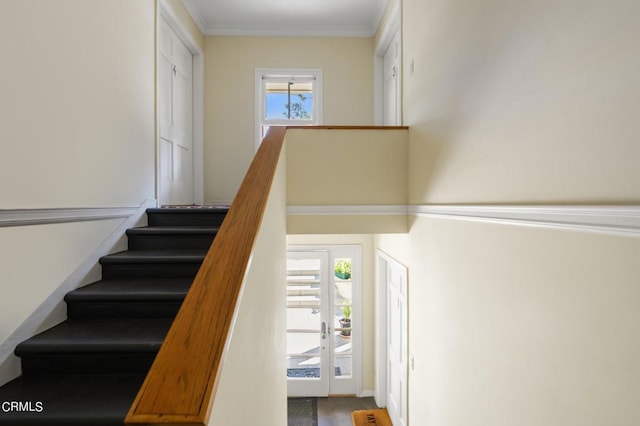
[[88, 369]]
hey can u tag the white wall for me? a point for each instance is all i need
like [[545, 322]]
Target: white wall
[[253, 369], [347, 72]]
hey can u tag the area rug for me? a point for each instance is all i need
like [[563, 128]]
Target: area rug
[[302, 412], [379, 417]]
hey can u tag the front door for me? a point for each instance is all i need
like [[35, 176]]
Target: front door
[[322, 296], [175, 116]]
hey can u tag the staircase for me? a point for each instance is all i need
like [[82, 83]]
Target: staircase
[[88, 369]]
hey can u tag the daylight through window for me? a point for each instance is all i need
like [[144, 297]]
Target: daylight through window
[[287, 97]]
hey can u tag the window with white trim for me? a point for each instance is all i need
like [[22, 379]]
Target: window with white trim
[[287, 97]]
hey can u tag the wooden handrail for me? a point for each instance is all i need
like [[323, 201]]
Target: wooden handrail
[[181, 383]]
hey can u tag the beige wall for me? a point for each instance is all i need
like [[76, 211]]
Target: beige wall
[[347, 72], [345, 168], [77, 103], [78, 130], [521, 102], [515, 101], [348, 167], [520, 325]]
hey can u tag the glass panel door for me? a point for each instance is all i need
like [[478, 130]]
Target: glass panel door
[[341, 310], [307, 324]]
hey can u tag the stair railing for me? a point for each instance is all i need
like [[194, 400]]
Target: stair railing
[[181, 384]]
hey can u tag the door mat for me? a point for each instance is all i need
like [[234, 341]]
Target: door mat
[[302, 412], [379, 417]]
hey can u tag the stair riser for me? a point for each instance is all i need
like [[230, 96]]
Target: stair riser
[[181, 270], [83, 363], [154, 242], [77, 310], [185, 219]]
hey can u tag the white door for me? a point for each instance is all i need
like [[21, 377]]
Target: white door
[[397, 343], [323, 355], [175, 114], [391, 83]]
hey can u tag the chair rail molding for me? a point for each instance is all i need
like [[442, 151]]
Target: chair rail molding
[[344, 210], [24, 217], [623, 219]]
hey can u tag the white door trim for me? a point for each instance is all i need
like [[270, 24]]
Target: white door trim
[[387, 33], [165, 11]]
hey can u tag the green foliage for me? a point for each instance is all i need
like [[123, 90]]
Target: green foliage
[[343, 266], [297, 110], [346, 310]]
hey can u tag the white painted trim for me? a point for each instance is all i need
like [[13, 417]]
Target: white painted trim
[[366, 394], [369, 210], [617, 219], [380, 328], [53, 310], [381, 6], [195, 13], [164, 11], [288, 31], [387, 33], [24, 217]]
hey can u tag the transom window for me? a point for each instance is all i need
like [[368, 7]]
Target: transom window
[[287, 97]]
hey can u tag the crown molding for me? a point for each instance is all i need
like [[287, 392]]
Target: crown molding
[[281, 31], [196, 14]]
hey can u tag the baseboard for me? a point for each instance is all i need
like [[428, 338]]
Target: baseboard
[[367, 393], [53, 310]]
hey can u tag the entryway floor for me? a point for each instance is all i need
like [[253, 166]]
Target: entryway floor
[[336, 411]]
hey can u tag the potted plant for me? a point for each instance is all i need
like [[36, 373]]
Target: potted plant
[[343, 269], [345, 321]]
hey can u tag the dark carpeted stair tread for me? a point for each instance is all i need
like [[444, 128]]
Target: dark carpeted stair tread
[[99, 335], [186, 216], [173, 230], [66, 400], [171, 237], [130, 290], [154, 256]]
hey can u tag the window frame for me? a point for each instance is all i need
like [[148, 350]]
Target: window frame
[[262, 75]]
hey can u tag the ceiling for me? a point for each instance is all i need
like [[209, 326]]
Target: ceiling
[[351, 18]]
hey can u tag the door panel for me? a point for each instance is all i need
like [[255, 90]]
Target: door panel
[[175, 116], [391, 83], [397, 350], [307, 328]]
